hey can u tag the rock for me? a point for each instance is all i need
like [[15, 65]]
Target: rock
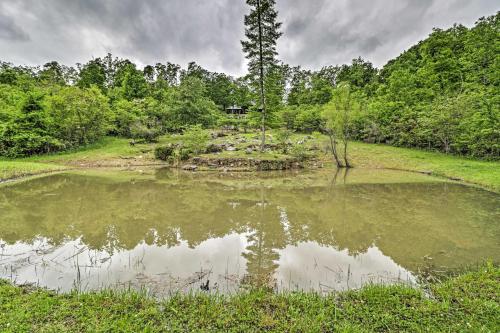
[[231, 148], [215, 148], [248, 150], [189, 167]]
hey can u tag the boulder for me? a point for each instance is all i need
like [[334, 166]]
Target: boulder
[[189, 167]]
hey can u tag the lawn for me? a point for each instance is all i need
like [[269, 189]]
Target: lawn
[[119, 152], [483, 173], [467, 303]]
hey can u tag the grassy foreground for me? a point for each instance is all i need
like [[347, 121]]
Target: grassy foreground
[[467, 303], [118, 152]]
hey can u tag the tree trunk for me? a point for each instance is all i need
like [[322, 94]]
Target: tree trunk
[[333, 146], [261, 80], [346, 160]]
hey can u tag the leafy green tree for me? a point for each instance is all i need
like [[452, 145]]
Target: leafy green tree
[[339, 116], [298, 86], [52, 74], [440, 126], [80, 116], [220, 89], [92, 73], [29, 131], [134, 85], [12, 99], [190, 106]]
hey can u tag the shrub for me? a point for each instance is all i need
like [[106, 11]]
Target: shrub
[[195, 139], [79, 116], [164, 152], [184, 154], [146, 132], [283, 138], [299, 152]]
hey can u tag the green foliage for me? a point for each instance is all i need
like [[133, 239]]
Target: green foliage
[[195, 139], [147, 131], [299, 151], [340, 115], [134, 85], [164, 152], [468, 302], [144, 119], [79, 116], [441, 94], [190, 106], [283, 137], [66, 118], [28, 131], [93, 73]]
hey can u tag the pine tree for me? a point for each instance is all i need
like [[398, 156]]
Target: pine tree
[[262, 32]]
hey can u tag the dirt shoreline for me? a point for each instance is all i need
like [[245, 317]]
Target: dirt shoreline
[[206, 164]]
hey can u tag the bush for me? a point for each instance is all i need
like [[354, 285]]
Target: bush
[[164, 152], [195, 139], [283, 138], [79, 116], [145, 132], [299, 152], [184, 154], [28, 131], [302, 118]]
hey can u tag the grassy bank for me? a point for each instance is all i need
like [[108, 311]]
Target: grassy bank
[[118, 152], [467, 303], [19, 169], [108, 152], [483, 173]]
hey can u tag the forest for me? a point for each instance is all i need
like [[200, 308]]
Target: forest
[[145, 196], [442, 94]]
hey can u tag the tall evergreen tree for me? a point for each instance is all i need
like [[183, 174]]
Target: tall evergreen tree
[[262, 32]]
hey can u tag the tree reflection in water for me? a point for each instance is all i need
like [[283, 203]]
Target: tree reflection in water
[[288, 230]]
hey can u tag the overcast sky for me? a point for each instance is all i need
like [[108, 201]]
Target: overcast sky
[[316, 32]]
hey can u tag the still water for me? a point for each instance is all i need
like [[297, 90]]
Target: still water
[[165, 232]]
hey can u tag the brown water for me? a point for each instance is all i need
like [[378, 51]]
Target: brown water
[[166, 232]]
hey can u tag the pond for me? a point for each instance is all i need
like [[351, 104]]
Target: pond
[[166, 232]]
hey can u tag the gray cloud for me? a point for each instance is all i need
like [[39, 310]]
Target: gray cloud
[[316, 32], [10, 31], [334, 32]]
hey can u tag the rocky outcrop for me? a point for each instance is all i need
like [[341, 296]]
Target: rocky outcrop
[[251, 164]]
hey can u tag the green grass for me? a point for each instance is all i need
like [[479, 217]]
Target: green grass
[[18, 169], [110, 151], [107, 148], [483, 173], [467, 303], [117, 151]]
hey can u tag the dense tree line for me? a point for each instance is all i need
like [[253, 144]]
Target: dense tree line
[[441, 94], [55, 107]]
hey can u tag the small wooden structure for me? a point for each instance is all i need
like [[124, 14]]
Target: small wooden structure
[[237, 111]]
